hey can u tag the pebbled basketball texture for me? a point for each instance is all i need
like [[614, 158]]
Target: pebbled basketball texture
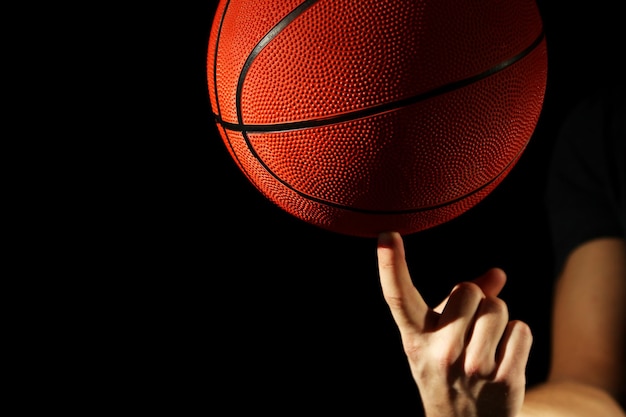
[[363, 116]]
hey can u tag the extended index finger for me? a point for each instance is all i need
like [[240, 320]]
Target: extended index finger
[[408, 308]]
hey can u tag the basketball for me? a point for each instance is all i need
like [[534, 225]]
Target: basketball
[[364, 116]]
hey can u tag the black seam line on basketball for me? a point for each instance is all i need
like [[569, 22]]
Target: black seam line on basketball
[[224, 131], [265, 40], [359, 114], [217, 43], [282, 24]]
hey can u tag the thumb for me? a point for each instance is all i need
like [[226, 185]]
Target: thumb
[[491, 282]]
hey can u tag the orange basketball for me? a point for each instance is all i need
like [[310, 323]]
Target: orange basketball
[[363, 116]]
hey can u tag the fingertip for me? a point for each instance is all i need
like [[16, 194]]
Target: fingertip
[[387, 239], [498, 275], [492, 281], [498, 270]]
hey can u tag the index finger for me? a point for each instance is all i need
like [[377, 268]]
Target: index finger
[[408, 308]]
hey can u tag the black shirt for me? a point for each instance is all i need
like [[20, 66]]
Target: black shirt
[[586, 190]]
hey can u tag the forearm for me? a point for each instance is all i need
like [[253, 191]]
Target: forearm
[[568, 399], [588, 339]]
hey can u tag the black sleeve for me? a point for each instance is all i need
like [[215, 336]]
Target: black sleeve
[[585, 189]]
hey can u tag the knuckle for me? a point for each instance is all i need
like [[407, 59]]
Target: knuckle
[[468, 289], [395, 302], [473, 369], [478, 368], [513, 381], [497, 306], [522, 329], [445, 357], [435, 355], [413, 349]]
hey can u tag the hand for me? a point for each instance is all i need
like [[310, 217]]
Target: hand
[[465, 356]]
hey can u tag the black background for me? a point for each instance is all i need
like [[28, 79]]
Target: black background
[[271, 314]]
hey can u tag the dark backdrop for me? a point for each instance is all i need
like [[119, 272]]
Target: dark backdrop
[[280, 316]]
